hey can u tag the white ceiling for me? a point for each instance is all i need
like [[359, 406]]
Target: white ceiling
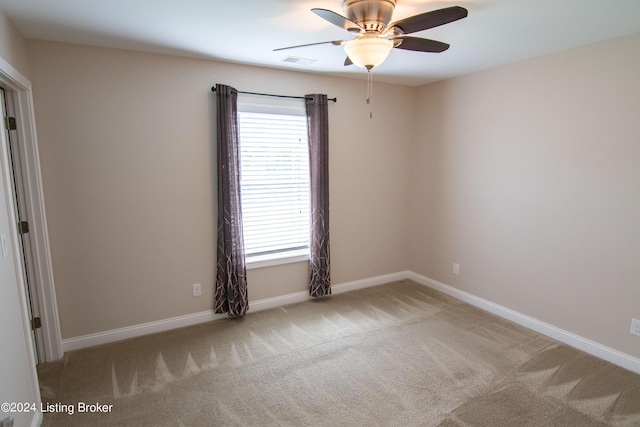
[[496, 32]]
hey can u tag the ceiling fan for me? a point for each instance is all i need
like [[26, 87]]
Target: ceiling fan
[[375, 36]]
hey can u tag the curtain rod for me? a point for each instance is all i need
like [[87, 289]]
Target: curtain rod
[[213, 89]]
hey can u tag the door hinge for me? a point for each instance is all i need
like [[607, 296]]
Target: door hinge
[[23, 227], [36, 323], [10, 122]]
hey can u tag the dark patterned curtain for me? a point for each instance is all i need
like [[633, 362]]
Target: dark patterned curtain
[[318, 125], [231, 277]]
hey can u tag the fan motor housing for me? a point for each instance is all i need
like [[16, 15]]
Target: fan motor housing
[[372, 15]]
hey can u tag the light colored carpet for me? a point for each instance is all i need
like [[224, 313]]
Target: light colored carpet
[[393, 355]]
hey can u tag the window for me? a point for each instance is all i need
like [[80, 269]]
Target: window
[[274, 180]]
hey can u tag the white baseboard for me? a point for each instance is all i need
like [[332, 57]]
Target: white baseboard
[[595, 349], [119, 334], [373, 281]]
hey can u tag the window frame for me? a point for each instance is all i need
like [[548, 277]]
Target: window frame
[[280, 106]]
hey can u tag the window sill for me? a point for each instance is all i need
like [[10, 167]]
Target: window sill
[[277, 259]]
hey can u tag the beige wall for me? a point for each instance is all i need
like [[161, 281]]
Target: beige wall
[[13, 47], [528, 175], [127, 152]]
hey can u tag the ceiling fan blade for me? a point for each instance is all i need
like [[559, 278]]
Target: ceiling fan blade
[[339, 20], [420, 45], [431, 19], [347, 62], [333, 42]]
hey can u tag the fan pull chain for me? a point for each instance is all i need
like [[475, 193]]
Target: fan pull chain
[[370, 92]]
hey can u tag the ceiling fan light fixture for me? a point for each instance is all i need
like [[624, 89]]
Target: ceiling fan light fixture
[[368, 52]]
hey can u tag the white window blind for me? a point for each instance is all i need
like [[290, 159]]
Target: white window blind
[[274, 184]]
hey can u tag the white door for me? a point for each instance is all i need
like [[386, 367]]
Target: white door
[[9, 142]]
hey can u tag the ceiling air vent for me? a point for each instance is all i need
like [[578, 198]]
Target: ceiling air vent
[[298, 61]]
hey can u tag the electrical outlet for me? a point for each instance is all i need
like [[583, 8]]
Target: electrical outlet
[[456, 268], [635, 327], [197, 289]]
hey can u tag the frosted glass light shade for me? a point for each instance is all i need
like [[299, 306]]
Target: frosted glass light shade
[[368, 52]]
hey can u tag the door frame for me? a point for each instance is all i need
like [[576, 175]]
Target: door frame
[[20, 87], [13, 165]]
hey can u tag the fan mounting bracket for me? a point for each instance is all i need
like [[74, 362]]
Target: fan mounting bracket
[[371, 15]]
